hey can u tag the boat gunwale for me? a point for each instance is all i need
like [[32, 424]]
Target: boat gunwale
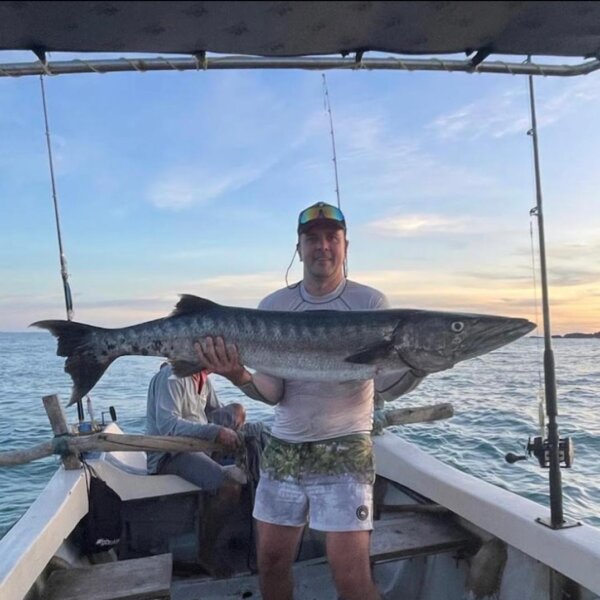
[[572, 551]]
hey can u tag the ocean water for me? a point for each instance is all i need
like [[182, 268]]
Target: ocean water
[[495, 399]]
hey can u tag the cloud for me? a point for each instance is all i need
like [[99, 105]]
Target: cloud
[[184, 187], [514, 276], [376, 162], [572, 308], [239, 290], [570, 99], [421, 224], [564, 276], [508, 113], [185, 255], [495, 117]]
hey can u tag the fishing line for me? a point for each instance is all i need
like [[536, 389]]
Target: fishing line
[[287, 272], [540, 393], [532, 213], [327, 106]]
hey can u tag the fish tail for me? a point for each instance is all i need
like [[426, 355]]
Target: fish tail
[[83, 363]]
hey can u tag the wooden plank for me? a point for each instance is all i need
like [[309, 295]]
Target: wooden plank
[[136, 579], [417, 534]]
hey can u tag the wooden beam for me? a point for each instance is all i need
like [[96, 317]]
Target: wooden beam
[[418, 414], [21, 457], [109, 442], [70, 445], [59, 425]]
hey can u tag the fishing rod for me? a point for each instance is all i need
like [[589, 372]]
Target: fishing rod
[[63, 259], [548, 451], [337, 184]]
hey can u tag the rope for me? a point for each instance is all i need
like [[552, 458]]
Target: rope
[[60, 445]]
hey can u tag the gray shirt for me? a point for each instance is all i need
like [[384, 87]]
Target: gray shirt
[[309, 410], [175, 407]]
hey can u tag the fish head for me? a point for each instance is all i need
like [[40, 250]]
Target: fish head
[[435, 341]]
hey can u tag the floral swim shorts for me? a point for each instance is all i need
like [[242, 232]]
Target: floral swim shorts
[[328, 484]]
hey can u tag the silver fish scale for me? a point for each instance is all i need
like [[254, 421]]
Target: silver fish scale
[[290, 347]]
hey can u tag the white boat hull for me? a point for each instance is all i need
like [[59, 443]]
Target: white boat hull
[[537, 561]]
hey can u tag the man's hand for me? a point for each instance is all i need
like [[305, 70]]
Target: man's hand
[[222, 359], [228, 438]]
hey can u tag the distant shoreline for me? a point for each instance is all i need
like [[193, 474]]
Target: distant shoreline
[[572, 336]]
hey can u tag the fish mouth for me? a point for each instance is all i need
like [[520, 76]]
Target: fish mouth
[[500, 334]]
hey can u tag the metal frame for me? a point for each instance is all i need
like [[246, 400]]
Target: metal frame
[[202, 62]]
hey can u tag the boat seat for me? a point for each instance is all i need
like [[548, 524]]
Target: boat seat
[[133, 467], [128, 477], [135, 579], [418, 534]]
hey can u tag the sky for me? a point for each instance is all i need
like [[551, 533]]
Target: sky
[[191, 182]]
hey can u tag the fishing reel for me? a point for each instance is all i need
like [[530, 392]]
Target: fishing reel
[[92, 426], [540, 448]]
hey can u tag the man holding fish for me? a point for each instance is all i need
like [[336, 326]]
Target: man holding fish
[[318, 467], [321, 366]]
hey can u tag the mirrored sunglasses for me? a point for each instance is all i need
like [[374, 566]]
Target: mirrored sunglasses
[[320, 211]]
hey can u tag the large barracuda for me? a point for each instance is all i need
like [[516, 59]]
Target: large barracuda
[[311, 345]]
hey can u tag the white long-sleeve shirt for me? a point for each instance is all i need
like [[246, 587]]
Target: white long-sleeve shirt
[[175, 407]]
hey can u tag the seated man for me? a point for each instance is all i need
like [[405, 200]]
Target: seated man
[[188, 406]]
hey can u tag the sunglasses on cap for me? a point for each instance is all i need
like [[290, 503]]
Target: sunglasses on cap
[[320, 211]]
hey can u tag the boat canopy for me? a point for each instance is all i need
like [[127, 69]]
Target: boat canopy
[[286, 29], [309, 35]]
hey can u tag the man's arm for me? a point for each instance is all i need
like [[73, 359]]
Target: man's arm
[[263, 388], [223, 359], [390, 387]]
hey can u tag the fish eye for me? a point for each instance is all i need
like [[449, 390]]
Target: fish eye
[[457, 326]]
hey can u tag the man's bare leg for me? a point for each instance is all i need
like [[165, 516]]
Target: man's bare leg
[[277, 546], [348, 556]]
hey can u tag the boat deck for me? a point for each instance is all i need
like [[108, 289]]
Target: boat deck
[[136, 579], [401, 537]]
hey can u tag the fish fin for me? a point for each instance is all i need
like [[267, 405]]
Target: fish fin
[[184, 368], [371, 354], [189, 304], [82, 364]]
